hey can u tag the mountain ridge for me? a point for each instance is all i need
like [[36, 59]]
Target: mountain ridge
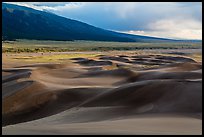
[[19, 22]]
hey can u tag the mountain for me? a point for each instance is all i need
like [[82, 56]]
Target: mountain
[[19, 22]]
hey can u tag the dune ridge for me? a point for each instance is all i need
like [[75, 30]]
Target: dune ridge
[[78, 93]]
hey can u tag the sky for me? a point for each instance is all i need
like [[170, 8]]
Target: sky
[[178, 20]]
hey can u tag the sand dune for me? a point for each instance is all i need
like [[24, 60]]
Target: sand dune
[[84, 98]]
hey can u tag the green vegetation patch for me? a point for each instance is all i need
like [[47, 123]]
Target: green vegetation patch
[[53, 58]]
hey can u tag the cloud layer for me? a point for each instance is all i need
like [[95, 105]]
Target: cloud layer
[[181, 20]]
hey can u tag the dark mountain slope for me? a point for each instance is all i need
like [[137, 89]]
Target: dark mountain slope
[[20, 22]]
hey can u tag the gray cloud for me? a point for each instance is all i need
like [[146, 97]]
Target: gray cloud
[[51, 4]]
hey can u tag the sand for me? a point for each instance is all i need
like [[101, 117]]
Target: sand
[[82, 96]]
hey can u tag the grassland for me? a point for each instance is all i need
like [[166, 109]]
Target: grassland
[[34, 46], [52, 58], [56, 51]]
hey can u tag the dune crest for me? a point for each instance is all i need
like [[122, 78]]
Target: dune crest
[[71, 94]]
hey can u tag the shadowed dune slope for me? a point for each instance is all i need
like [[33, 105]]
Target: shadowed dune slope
[[68, 94]]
